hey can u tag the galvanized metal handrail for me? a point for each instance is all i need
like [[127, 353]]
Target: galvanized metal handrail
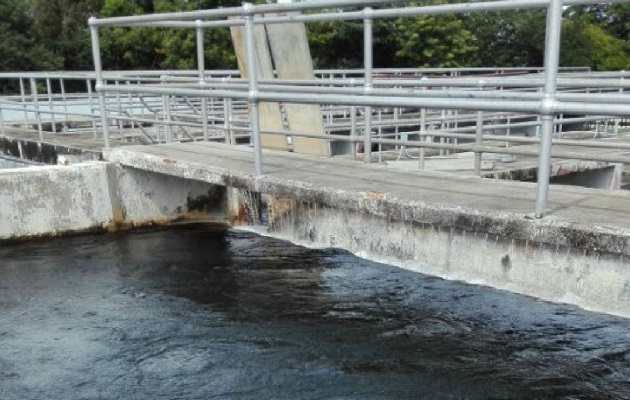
[[546, 103], [220, 104]]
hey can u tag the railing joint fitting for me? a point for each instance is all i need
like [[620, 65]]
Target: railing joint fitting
[[368, 14], [248, 10], [252, 96]]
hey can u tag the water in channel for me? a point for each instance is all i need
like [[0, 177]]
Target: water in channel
[[201, 312]]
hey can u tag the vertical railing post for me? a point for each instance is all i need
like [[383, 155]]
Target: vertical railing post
[[227, 121], [1, 121], [201, 67], [353, 131], [38, 116], [166, 106], [442, 130], [64, 100], [552, 56], [478, 142], [23, 98], [253, 87], [423, 131], [88, 83], [508, 129], [120, 110], [51, 106], [98, 69], [617, 120], [479, 134], [423, 137], [131, 110], [367, 85]]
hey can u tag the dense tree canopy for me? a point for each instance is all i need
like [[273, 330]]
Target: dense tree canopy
[[53, 34], [20, 47]]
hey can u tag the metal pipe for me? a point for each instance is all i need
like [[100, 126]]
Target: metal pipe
[[235, 11], [353, 130], [423, 131], [2, 132], [252, 97], [367, 100], [88, 83], [38, 116], [51, 105], [62, 87], [227, 116], [367, 67], [23, 97], [120, 110], [552, 57], [98, 69], [179, 19], [166, 104], [201, 66], [478, 142]]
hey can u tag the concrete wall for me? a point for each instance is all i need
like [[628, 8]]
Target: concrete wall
[[144, 197], [603, 178], [53, 200], [49, 200], [593, 281]]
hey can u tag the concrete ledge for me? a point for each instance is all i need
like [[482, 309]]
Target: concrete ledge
[[552, 231], [50, 200], [555, 273], [55, 200]]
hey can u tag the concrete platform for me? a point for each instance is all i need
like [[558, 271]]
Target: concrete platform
[[73, 141], [589, 219]]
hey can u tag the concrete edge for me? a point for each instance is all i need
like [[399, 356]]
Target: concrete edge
[[550, 231]]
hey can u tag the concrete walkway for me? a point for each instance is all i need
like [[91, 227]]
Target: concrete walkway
[[584, 218]]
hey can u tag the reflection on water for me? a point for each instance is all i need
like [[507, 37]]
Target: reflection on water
[[200, 313]]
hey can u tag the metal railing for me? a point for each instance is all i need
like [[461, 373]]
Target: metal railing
[[365, 106], [545, 102]]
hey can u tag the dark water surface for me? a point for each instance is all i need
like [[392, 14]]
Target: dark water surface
[[200, 313]]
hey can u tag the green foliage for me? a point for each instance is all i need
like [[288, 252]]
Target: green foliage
[[61, 25], [433, 41], [53, 34], [20, 50], [588, 44], [507, 38], [336, 44], [154, 48]]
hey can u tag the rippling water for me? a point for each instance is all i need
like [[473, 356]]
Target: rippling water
[[198, 312]]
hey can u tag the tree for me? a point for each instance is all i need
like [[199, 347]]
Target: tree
[[433, 41], [612, 18], [507, 38], [585, 43], [62, 26], [20, 50], [154, 48], [336, 44]]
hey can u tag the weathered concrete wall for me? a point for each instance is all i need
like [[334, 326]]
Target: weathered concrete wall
[[589, 174], [48, 200], [145, 197], [551, 230], [557, 273], [605, 178], [53, 200]]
